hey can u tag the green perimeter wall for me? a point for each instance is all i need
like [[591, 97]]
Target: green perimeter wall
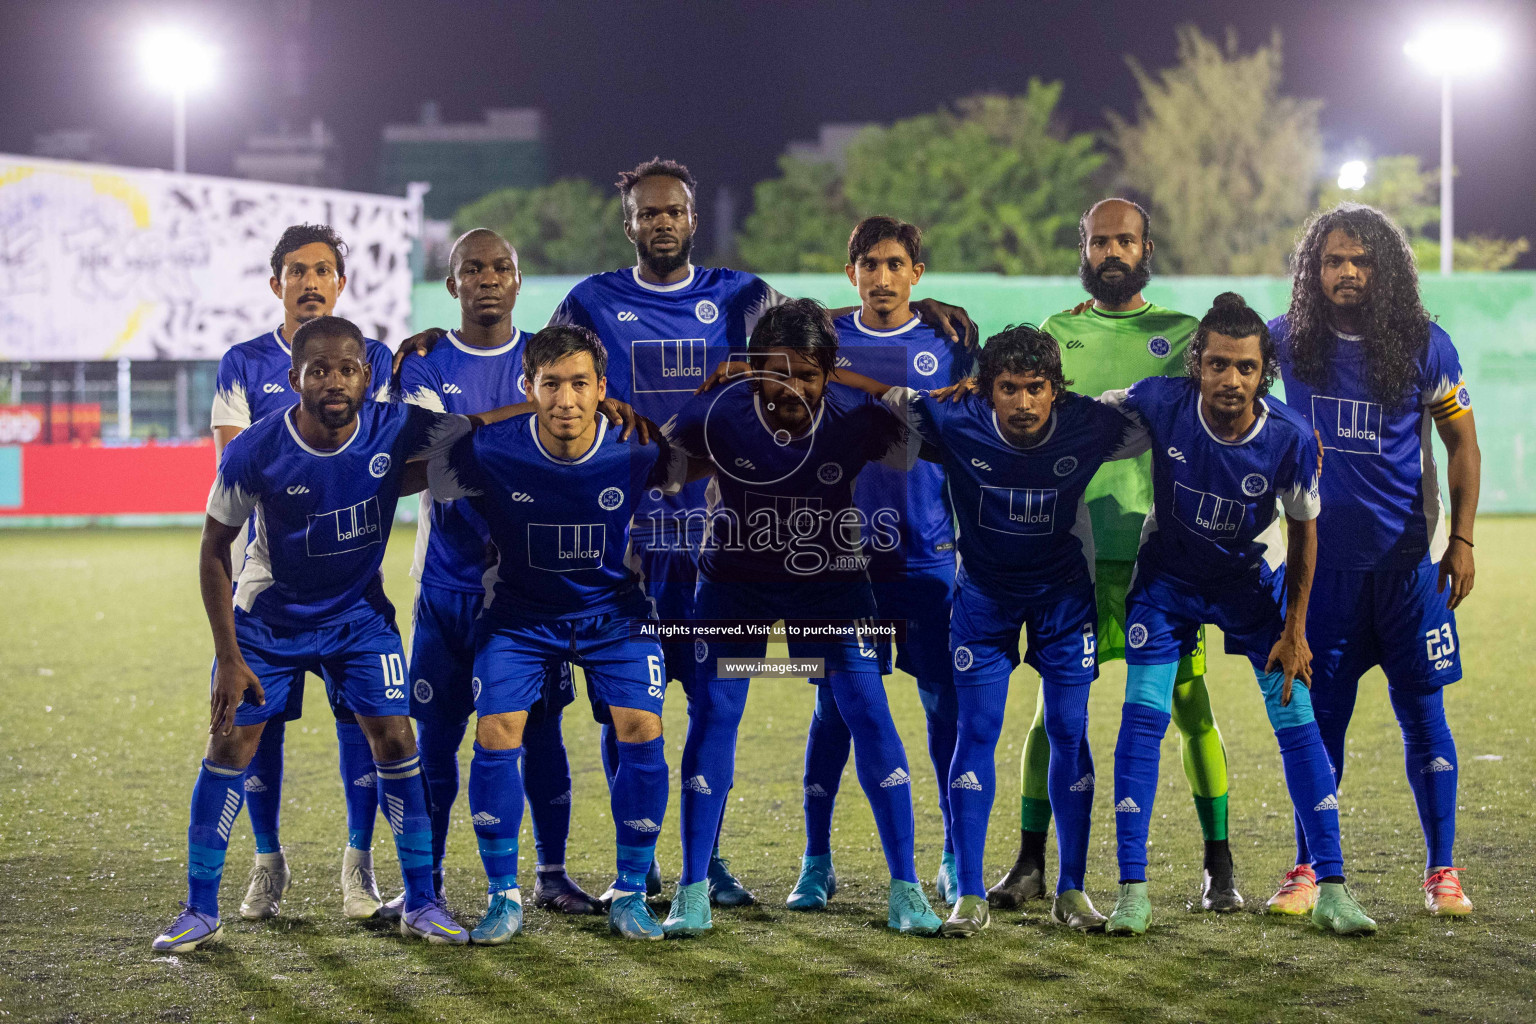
[[1491, 317]]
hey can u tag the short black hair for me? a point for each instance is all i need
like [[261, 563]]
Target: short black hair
[[557, 341], [1022, 349], [297, 236], [1082, 222], [871, 231], [654, 167], [800, 324], [1231, 315], [326, 327]]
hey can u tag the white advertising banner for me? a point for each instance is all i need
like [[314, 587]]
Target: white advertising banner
[[100, 262]]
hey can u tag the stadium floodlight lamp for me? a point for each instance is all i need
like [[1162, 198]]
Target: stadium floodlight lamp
[[1352, 175], [1459, 48], [179, 63]]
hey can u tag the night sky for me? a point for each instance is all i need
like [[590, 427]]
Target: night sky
[[725, 86]]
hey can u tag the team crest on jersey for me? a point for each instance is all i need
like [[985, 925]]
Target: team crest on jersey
[[1065, 465], [926, 363], [700, 651], [829, 473], [1159, 346], [706, 311], [610, 499], [379, 465], [1137, 636], [1254, 485], [474, 688], [422, 691], [963, 658]]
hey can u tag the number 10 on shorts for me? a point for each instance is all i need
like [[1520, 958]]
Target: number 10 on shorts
[[394, 676]]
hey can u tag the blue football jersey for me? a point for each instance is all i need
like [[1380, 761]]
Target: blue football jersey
[[1381, 507], [913, 355], [1024, 527], [252, 381], [451, 538], [322, 518], [781, 507], [1215, 503], [560, 526], [663, 341]]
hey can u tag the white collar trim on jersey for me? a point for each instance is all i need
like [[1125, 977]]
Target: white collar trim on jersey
[[277, 336], [679, 286], [597, 442], [499, 350], [858, 321], [1049, 430], [1348, 337], [757, 407], [1253, 432], [293, 432]]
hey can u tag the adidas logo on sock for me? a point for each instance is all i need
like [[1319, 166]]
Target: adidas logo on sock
[[643, 825], [1439, 764], [1328, 803], [563, 798], [1127, 806], [368, 781], [966, 781], [1083, 785], [899, 777], [485, 818], [815, 790], [255, 785], [699, 784]]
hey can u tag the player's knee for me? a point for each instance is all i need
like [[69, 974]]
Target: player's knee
[[1420, 716], [939, 703], [1065, 725], [1151, 685], [719, 706], [1192, 708], [235, 750], [826, 706], [1285, 716], [501, 732], [634, 725], [390, 737]]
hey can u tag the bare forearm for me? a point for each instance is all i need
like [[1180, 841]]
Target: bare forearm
[[1464, 476], [1300, 565], [505, 412], [868, 385], [215, 579]]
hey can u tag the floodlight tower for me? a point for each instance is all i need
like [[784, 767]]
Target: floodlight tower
[[1448, 51], [176, 62]]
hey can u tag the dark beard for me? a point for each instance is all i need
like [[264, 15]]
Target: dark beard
[[661, 266], [1114, 293], [334, 420]]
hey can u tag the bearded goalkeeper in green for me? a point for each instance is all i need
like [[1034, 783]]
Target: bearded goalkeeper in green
[[1108, 344]]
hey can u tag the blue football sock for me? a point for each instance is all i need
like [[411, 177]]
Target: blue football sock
[[941, 715], [639, 805], [1144, 719], [216, 798], [1070, 778], [709, 768], [547, 783], [881, 763], [1333, 704], [358, 783], [496, 803], [404, 795], [826, 754], [1430, 755], [438, 743], [609, 741], [1308, 775], [264, 786], [971, 776]]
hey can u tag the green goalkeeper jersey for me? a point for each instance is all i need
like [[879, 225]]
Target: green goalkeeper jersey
[[1103, 352]]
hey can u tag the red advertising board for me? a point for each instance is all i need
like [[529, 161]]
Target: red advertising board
[[110, 480], [24, 424]]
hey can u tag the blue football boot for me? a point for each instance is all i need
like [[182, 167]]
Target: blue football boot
[[817, 883], [690, 911], [190, 930], [630, 917], [503, 919]]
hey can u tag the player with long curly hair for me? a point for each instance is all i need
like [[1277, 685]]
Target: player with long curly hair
[[1369, 368]]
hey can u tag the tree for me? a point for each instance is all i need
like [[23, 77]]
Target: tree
[[567, 227], [800, 221], [995, 183], [1229, 164], [1400, 189]]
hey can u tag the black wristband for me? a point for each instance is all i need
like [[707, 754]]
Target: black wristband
[[1457, 536]]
